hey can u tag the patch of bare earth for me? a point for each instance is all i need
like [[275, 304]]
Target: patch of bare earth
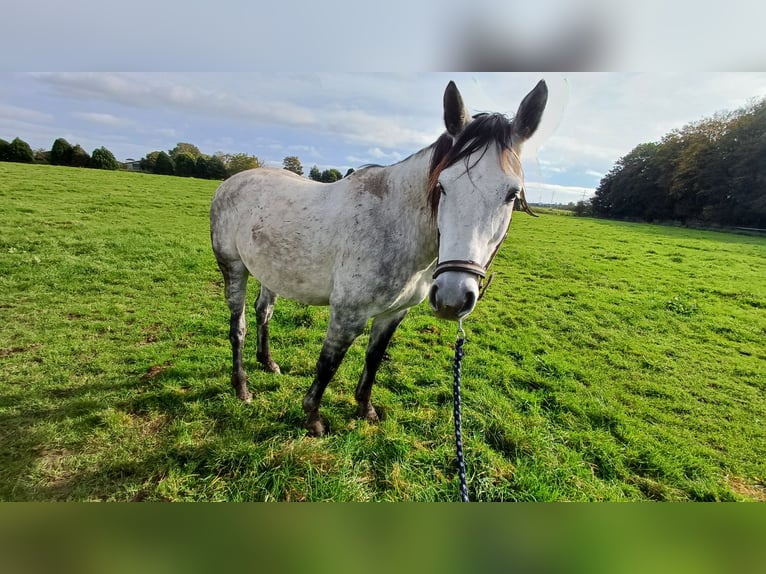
[[154, 371], [15, 350], [747, 489], [53, 465]]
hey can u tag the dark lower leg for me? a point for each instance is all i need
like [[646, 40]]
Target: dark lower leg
[[338, 340], [264, 308], [237, 331], [380, 336], [235, 282]]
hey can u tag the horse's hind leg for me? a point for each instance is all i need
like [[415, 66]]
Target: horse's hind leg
[[264, 308], [383, 328], [235, 279], [341, 332]]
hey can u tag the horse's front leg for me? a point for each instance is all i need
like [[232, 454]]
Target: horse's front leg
[[344, 327], [383, 328]]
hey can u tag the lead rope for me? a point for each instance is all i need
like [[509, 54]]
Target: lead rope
[[457, 415]]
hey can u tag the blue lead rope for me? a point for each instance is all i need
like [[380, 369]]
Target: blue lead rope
[[457, 415]]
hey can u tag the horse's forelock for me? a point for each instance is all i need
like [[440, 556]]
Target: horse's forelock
[[484, 130], [510, 161], [439, 158]]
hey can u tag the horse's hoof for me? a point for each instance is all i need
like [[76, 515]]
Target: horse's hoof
[[315, 426], [367, 412], [272, 367], [239, 382]]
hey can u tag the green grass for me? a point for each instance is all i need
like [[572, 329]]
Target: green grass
[[608, 361]]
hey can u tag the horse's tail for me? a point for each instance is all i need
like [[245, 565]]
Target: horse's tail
[[223, 224]]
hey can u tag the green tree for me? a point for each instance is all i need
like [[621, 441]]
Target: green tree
[[712, 171], [619, 195], [20, 152], [216, 168], [61, 152], [80, 157], [164, 164], [201, 167], [182, 147], [240, 162], [149, 162], [349, 171], [102, 158], [696, 178], [742, 201], [315, 174], [4, 150], [185, 164], [583, 208], [293, 164], [331, 175], [42, 156]]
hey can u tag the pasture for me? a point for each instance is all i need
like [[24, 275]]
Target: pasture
[[608, 361]]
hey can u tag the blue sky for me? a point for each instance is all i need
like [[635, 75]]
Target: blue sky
[[348, 119]]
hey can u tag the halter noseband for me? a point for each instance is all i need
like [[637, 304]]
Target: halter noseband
[[466, 266]]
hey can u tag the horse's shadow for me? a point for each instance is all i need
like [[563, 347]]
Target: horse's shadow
[[169, 394]]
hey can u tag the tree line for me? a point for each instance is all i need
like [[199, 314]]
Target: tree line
[[184, 160], [710, 172], [61, 153]]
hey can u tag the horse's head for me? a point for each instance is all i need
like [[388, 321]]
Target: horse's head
[[475, 181]]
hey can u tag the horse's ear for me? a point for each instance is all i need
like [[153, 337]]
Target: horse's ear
[[527, 119], [456, 117]]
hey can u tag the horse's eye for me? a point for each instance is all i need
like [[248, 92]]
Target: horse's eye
[[513, 193], [440, 189]]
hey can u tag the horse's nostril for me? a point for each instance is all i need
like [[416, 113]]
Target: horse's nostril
[[468, 304], [432, 297]]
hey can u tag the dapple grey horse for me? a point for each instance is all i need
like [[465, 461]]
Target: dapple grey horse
[[375, 243]]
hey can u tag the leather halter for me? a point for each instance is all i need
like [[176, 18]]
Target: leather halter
[[464, 265], [469, 266]]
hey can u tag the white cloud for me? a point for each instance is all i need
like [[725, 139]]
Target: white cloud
[[103, 119], [309, 150], [351, 124], [164, 132], [607, 115], [378, 153], [18, 113], [357, 160], [155, 91]]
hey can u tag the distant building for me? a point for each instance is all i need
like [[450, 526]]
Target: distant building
[[131, 164]]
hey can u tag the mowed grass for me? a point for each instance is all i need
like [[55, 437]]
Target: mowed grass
[[608, 361]]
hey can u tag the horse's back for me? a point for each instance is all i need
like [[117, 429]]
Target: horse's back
[[248, 194], [280, 226]]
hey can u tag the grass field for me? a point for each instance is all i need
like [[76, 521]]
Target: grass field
[[609, 361]]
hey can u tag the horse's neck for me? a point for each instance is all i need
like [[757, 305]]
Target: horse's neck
[[410, 180]]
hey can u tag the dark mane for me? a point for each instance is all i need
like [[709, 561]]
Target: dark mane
[[484, 130]]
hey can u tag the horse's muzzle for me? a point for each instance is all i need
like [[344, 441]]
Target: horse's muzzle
[[453, 294]]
